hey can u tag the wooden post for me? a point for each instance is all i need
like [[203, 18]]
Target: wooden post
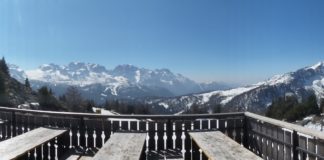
[[245, 132], [13, 121], [169, 133], [82, 133], [295, 144]]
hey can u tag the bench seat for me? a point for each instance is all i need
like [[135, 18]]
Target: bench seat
[[217, 146], [122, 146], [17, 146]]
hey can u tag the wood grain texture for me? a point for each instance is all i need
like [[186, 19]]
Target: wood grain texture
[[218, 146], [122, 146], [17, 146], [85, 158], [73, 157]]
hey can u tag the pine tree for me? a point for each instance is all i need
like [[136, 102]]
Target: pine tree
[[3, 66], [47, 101], [27, 84], [2, 84], [322, 106], [3, 93], [74, 99], [217, 108], [89, 105]]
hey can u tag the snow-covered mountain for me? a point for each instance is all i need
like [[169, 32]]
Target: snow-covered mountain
[[256, 97], [17, 73], [124, 81]]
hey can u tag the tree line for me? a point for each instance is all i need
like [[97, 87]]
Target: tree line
[[73, 101], [289, 109]]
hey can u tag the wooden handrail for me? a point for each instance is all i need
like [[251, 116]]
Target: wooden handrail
[[286, 125], [94, 115]]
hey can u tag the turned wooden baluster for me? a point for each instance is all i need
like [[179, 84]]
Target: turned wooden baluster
[[120, 125], [86, 137], [94, 135], [6, 127], [35, 153], [174, 137], [10, 128], [234, 130], [147, 138], [78, 136], [70, 135], [192, 125], [241, 132], [28, 124], [49, 150], [165, 137], [217, 123], [156, 137], [103, 136], [183, 137], [2, 121], [226, 132], [42, 151], [111, 127], [56, 146]]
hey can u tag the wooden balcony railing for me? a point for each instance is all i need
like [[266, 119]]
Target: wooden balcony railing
[[266, 137]]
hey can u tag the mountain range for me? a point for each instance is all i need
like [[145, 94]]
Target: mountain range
[[123, 82], [255, 97], [171, 93]]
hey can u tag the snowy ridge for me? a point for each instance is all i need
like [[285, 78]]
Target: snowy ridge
[[257, 97], [227, 94], [316, 66], [124, 81], [17, 73]]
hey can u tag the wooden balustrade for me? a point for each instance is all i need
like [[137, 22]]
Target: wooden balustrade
[[274, 139], [268, 138]]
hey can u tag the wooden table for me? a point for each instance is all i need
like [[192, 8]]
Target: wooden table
[[217, 146], [17, 146], [122, 146]]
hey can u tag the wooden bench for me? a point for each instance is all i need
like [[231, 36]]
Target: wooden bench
[[122, 146], [17, 146], [216, 145]]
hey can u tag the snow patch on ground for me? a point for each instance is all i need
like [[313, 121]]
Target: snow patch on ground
[[168, 82], [316, 126], [166, 106], [138, 76], [104, 95], [103, 111], [227, 94]]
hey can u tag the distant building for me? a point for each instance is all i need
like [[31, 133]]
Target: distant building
[[32, 105]]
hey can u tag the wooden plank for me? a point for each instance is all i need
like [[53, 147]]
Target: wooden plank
[[85, 158], [122, 146], [218, 146], [17, 146], [73, 157], [78, 157]]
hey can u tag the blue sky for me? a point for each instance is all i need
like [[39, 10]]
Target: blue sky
[[241, 41]]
